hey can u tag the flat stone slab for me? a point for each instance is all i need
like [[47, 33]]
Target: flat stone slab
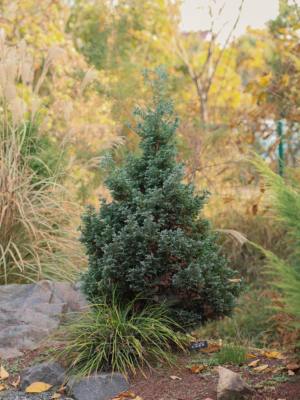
[[103, 386], [29, 313]]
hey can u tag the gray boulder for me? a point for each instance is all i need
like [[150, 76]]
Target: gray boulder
[[232, 387], [97, 387], [29, 313], [48, 372]]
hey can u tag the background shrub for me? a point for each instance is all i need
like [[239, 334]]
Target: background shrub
[[246, 326]]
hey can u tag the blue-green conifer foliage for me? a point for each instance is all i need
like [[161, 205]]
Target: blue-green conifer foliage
[[150, 240]]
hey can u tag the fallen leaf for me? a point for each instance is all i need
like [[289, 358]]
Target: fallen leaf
[[195, 369], [211, 348], [56, 396], [276, 355], [126, 395], [3, 373], [16, 383], [293, 366], [175, 378], [291, 373], [250, 355], [2, 387], [254, 363], [129, 395], [261, 368], [38, 387], [235, 280]]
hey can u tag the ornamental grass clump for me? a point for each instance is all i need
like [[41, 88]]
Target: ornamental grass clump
[[112, 337], [284, 199], [151, 238], [37, 239]]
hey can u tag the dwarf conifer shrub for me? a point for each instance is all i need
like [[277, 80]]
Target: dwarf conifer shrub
[[150, 239]]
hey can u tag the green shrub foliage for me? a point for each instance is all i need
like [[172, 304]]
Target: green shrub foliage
[[150, 239]]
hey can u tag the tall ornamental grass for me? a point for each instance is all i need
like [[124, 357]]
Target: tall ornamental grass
[[284, 199], [37, 239]]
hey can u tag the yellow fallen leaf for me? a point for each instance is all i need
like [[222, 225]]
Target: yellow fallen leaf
[[38, 387], [254, 363], [261, 368], [175, 378], [125, 395], [129, 394], [273, 355], [250, 355], [2, 387], [3, 373]]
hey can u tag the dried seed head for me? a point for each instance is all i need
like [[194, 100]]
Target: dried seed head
[[88, 78], [18, 108], [67, 110], [54, 53], [27, 72], [10, 91], [35, 106]]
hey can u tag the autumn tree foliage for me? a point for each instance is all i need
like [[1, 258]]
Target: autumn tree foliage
[[150, 240]]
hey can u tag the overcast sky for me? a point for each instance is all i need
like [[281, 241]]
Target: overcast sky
[[255, 13]]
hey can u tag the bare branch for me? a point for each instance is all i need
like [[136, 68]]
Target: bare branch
[[227, 41]]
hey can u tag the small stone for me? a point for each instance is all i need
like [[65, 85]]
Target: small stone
[[97, 387], [293, 366], [47, 372], [232, 387]]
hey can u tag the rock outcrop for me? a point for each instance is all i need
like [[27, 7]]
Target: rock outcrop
[[29, 313]]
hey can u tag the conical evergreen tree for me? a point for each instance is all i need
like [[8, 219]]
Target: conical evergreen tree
[[150, 239]]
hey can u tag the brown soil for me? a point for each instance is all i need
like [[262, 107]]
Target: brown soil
[[159, 385]]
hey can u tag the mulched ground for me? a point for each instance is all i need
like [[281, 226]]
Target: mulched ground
[[159, 384], [180, 383]]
